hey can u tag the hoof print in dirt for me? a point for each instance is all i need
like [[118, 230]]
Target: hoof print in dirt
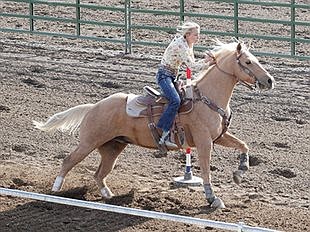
[[301, 122], [19, 148], [4, 109], [287, 173], [281, 145], [19, 182], [33, 82], [254, 161], [157, 154], [110, 84], [280, 119], [37, 69]]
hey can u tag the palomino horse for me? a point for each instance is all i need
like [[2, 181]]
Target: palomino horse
[[105, 126]]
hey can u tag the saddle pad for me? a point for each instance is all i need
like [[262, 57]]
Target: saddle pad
[[135, 109], [132, 108]]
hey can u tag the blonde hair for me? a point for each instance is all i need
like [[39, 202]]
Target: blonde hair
[[187, 27]]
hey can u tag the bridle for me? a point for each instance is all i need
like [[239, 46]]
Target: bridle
[[248, 72], [243, 67]]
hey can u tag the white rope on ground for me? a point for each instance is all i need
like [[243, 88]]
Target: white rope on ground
[[131, 211]]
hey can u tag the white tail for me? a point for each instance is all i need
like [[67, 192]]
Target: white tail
[[68, 120]]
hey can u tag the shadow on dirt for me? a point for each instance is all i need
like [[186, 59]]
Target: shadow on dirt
[[57, 217], [34, 83]]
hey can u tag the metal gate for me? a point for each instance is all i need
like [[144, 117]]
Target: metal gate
[[284, 24]]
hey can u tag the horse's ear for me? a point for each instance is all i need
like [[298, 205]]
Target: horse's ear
[[239, 47]]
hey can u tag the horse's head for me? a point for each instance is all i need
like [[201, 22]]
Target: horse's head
[[236, 60]]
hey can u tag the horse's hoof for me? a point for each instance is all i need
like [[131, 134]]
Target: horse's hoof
[[57, 184], [106, 193], [237, 176], [218, 203]]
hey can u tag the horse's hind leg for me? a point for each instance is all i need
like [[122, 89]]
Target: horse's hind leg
[[228, 140], [69, 162], [109, 153]]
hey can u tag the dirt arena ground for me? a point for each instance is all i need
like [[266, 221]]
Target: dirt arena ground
[[40, 76]]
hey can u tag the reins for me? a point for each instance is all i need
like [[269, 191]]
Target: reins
[[245, 69], [204, 99], [226, 118]]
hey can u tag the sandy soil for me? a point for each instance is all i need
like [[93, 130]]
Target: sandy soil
[[40, 76]]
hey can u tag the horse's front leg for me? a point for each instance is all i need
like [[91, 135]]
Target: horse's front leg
[[204, 156], [228, 140]]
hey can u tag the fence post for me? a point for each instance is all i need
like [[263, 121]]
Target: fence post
[[182, 11], [127, 27], [236, 15], [78, 18], [293, 43], [31, 25]]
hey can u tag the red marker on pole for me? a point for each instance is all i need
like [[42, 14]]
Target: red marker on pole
[[189, 88], [188, 74]]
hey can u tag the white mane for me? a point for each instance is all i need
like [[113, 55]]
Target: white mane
[[229, 47]]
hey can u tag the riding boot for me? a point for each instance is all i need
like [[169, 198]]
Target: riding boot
[[165, 139]]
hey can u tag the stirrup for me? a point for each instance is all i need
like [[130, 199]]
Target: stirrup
[[170, 144]]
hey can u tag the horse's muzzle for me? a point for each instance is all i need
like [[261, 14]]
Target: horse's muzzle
[[266, 83]]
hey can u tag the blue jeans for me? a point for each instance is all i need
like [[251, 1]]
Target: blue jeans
[[165, 80]]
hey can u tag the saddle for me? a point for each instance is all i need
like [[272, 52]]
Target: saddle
[[137, 105], [153, 104]]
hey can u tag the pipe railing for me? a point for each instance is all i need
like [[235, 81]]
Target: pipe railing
[[129, 24], [132, 211]]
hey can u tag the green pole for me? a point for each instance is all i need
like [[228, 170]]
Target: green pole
[[127, 27], [31, 23], [293, 43], [182, 11], [236, 15], [78, 18]]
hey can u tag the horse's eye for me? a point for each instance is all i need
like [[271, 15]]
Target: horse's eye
[[248, 62]]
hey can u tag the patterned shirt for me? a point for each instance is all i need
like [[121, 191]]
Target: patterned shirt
[[179, 53]]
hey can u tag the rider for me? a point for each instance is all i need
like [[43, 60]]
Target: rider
[[179, 52]]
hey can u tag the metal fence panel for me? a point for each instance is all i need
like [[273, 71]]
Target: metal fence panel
[[128, 23]]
